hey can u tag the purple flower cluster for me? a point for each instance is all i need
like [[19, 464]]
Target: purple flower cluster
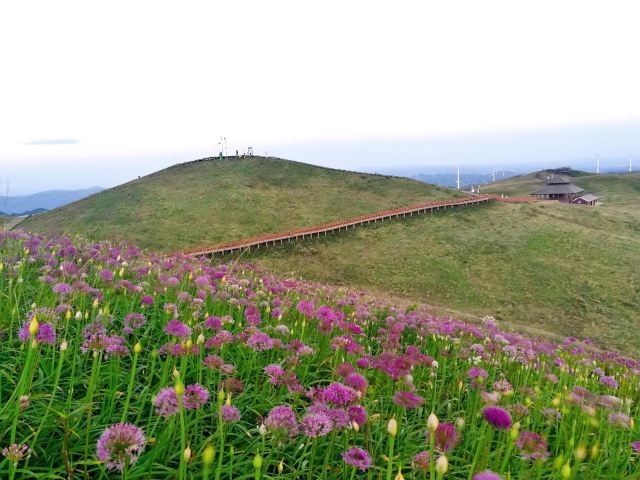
[[532, 446], [46, 333], [120, 445], [176, 328], [357, 458], [497, 417]]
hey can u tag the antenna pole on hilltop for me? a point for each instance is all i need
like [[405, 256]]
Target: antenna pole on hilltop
[[630, 163], [494, 176], [598, 163], [458, 180]]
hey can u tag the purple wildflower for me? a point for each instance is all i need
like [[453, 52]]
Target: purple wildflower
[[497, 417], [62, 289], [194, 396], [213, 361], [338, 395], [133, 321], [635, 446], [147, 300], [609, 381], [407, 399], [260, 342], [106, 275], [421, 461], [621, 420], [316, 425], [275, 373], [477, 375], [487, 475], [230, 414], [46, 333], [166, 402], [357, 414], [306, 308], [357, 381], [176, 328], [120, 444], [357, 458], [281, 421], [14, 453], [532, 445], [446, 437]]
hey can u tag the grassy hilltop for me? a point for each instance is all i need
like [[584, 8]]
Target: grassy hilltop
[[208, 202]]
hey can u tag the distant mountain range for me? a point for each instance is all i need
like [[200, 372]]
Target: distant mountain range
[[38, 202]]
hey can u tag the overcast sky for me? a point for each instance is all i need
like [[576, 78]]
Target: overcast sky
[[97, 93]]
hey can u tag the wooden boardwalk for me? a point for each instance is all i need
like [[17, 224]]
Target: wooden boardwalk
[[324, 229]]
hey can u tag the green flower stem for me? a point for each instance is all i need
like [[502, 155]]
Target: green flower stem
[[183, 441], [479, 449], [432, 452], [390, 460], [132, 378]]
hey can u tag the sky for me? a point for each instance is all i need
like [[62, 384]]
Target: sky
[[97, 93]]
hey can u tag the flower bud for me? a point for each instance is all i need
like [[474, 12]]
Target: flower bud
[[175, 373], [442, 465], [24, 402], [281, 467], [137, 348], [200, 339], [221, 395], [262, 430], [68, 315], [34, 326], [580, 453], [432, 422], [257, 462], [188, 344], [392, 427], [355, 426], [460, 423], [399, 476], [63, 345], [187, 454], [208, 455], [566, 471], [513, 433], [179, 387], [595, 451], [95, 303], [78, 315]]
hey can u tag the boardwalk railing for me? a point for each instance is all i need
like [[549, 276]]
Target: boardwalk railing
[[317, 230]]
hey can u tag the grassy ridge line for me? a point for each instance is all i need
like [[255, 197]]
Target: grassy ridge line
[[214, 201]]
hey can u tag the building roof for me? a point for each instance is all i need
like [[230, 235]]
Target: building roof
[[555, 179], [558, 189], [588, 197]]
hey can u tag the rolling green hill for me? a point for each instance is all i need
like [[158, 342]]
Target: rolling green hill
[[220, 200], [545, 267]]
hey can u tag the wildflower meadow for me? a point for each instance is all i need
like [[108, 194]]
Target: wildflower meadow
[[121, 363]]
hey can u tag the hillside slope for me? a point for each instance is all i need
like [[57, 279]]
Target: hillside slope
[[556, 268], [220, 200]]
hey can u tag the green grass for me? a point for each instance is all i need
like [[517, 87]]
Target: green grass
[[547, 267], [220, 200], [544, 268]]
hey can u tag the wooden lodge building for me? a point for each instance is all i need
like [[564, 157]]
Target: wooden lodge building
[[558, 187]]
